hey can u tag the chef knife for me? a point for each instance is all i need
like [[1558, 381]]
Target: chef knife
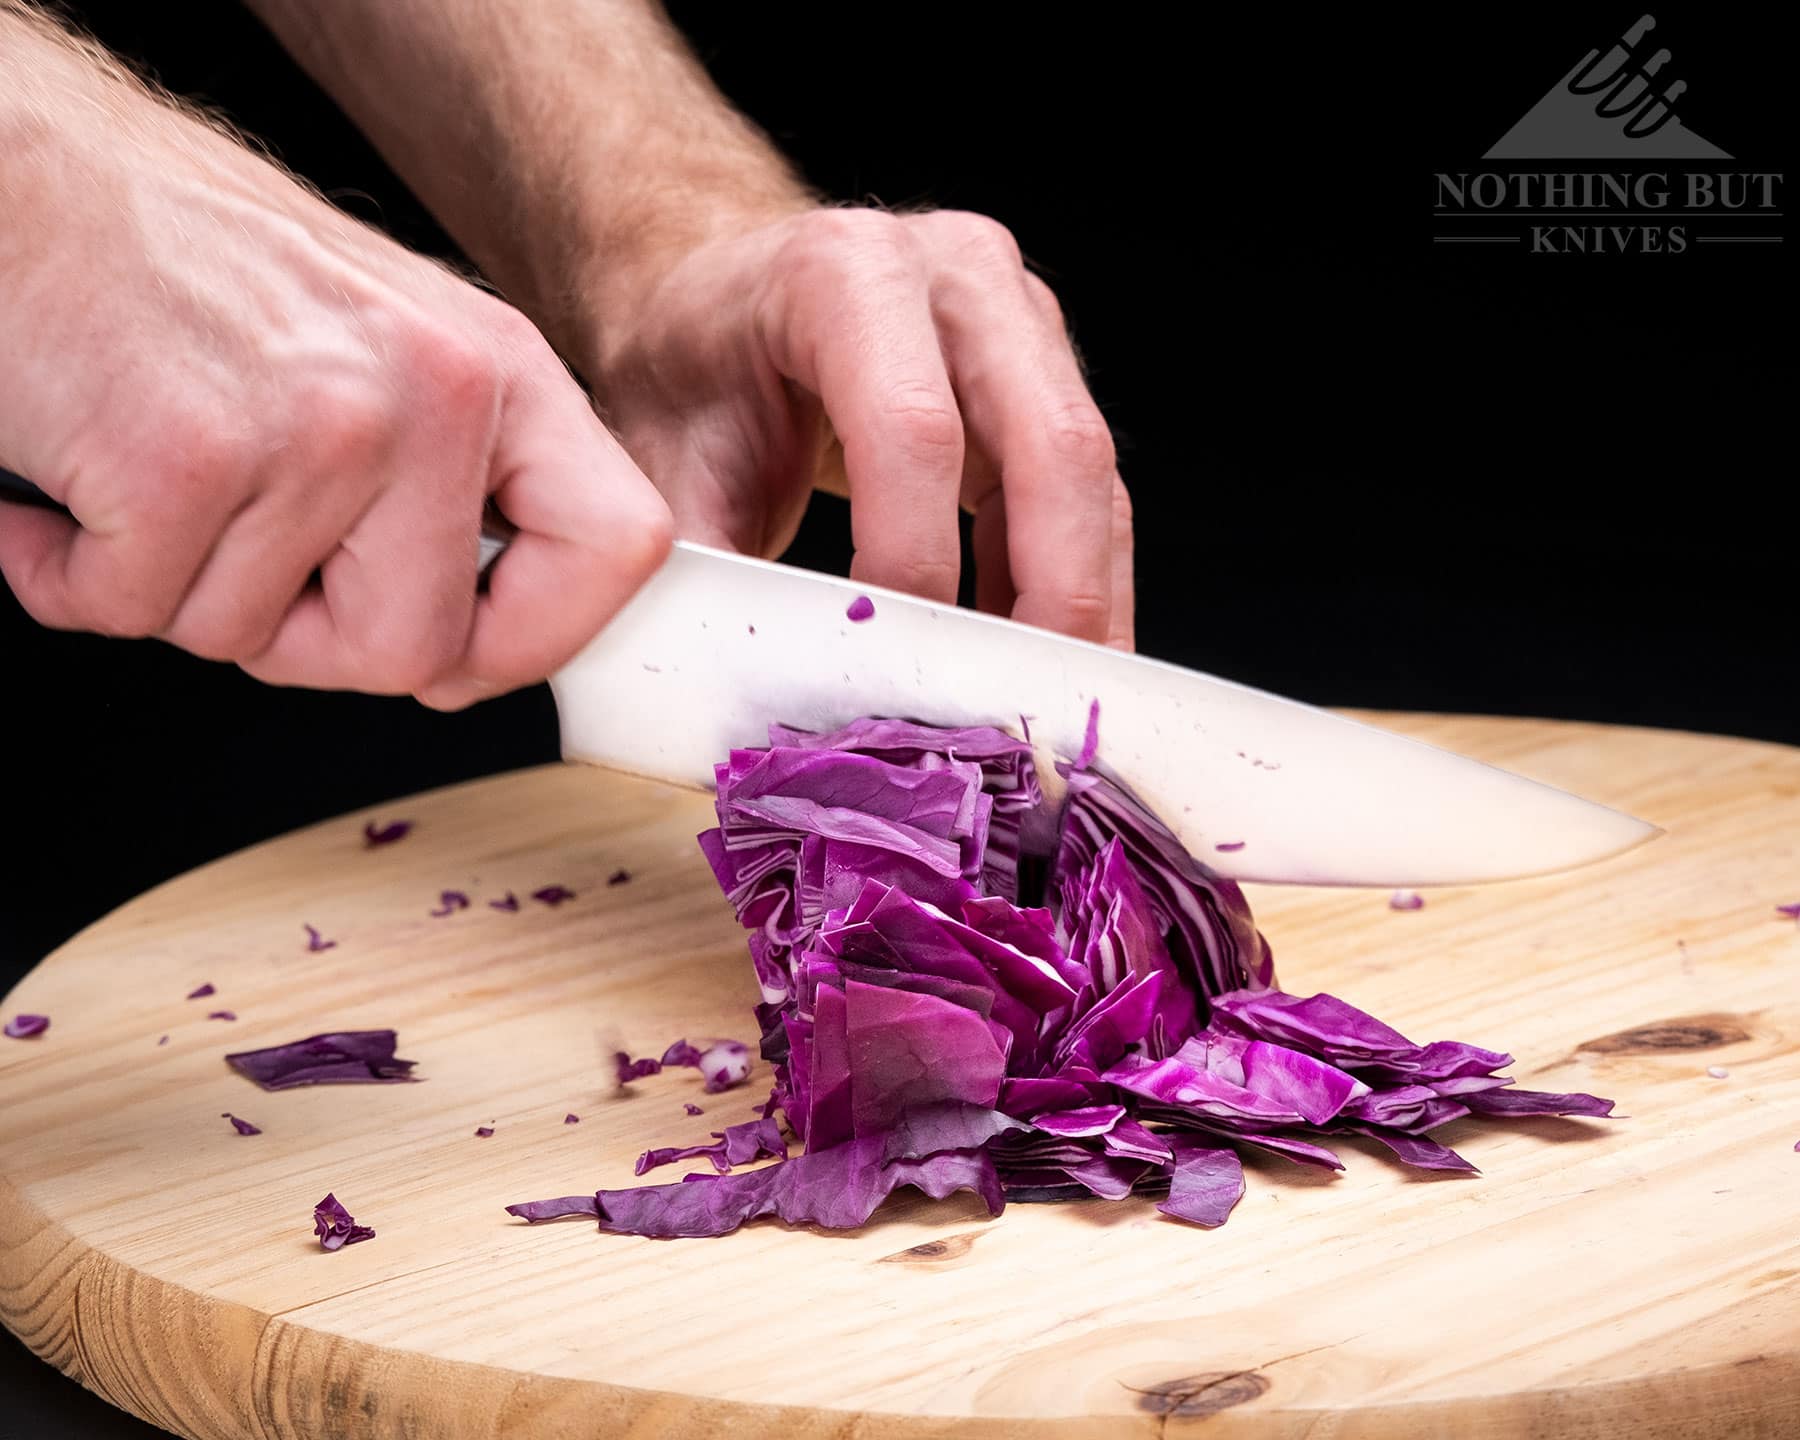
[[716, 646]]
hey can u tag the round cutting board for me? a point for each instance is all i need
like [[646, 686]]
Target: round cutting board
[[1638, 1277]]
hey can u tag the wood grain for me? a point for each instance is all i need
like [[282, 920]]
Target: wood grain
[[1633, 1278]]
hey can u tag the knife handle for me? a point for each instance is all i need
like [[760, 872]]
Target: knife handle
[[496, 530]]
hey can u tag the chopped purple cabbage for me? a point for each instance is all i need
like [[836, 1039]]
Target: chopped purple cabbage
[[558, 1209], [163, 1041], [1090, 740], [510, 903], [1406, 900], [626, 1069], [1791, 911], [1205, 1185], [484, 1132], [23, 1027], [552, 894], [620, 876], [1229, 847], [724, 1065], [337, 1058], [734, 1145], [243, 1127], [222, 1015], [449, 902], [961, 990], [692, 1108], [860, 609], [200, 992], [336, 1227], [571, 1118], [316, 942], [374, 835]]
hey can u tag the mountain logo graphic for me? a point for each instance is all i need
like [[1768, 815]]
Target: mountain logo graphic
[[1609, 107]]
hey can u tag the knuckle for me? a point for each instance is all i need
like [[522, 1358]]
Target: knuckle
[[233, 634], [460, 375], [835, 245], [1077, 435], [191, 463], [1122, 511], [1044, 298], [925, 423], [409, 667], [853, 226], [204, 456], [423, 644], [130, 612], [983, 237], [928, 575], [647, 540], [508, 325], [348, 423], [1086, 612]]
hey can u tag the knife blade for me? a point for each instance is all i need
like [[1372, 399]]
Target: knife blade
[[716, 646]]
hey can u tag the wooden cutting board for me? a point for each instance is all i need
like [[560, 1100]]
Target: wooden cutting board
[[1639, 1277]]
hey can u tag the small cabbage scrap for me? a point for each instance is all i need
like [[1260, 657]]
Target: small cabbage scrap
[[243, 1127], [724, 1064], [734, 1145], [964, 991], [23, 1027], [342, 1057], [374, 834], [625, 1069], [336, 1227], [200, 992]]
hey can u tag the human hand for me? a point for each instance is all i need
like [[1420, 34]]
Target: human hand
[[924, 346], [231, 385]]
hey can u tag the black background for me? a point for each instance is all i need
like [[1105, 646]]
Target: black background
[[1368, 470]]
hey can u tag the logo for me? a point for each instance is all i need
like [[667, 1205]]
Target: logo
[[1609, 107], [1619, 105]]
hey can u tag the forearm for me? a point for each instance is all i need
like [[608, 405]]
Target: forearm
[[80, 136], [56, 94], [75, 131], [564, 143]]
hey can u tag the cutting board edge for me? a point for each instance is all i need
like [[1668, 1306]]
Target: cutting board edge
[[247, 1349]]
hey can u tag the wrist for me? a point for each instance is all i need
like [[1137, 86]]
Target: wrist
[[620, 261]]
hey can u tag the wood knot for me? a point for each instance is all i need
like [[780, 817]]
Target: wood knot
[[1202, 1394], [951, 1247], [1688, 1032]]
